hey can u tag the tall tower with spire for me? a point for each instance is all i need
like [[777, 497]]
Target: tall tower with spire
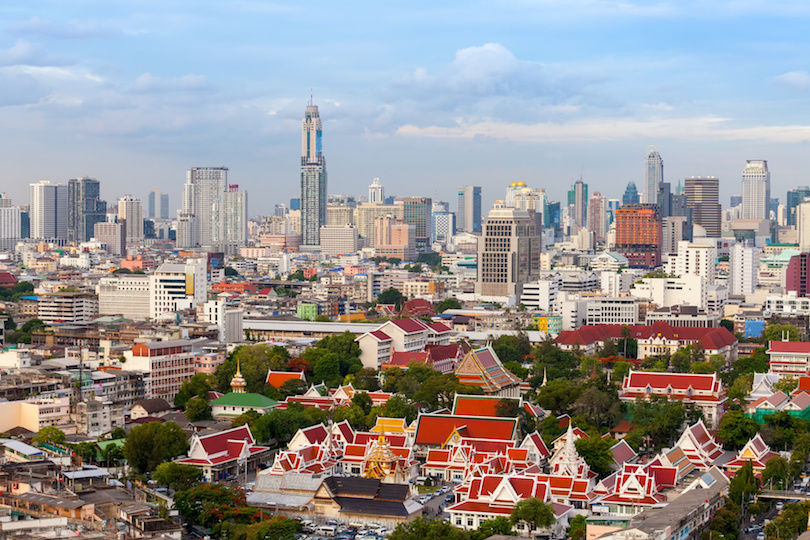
[[238, 383], [653, 175], [313, 178]]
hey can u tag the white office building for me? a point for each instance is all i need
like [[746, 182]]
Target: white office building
[[444, 227], [605, 310], [48, 211], [756, 190], [687, 290], [130, 212], [541, 295], [10, 226], [339, 239], [125, 295], [177, 286], [803, 225], [744, 266]]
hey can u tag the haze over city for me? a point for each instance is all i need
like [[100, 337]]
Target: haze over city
[[424, 96]]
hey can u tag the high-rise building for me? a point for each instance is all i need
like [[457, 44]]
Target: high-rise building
[[508, 253], [638, 234], [695, 259], [313, 178], [735, 200], [803, 225], [797, 278], [131, 212], [417, 211], [703, 197], [365, 214], [469, 209], [376, 193], [152, 203], [794, 199], [597, 216], [85, 208], [578, 199], [164, 206], [630, 194], [49, 210], [114, 235], [756, 190], [673, 231], [10, 223], [743, 266], [653, 175], [233, 232], [338, 215]]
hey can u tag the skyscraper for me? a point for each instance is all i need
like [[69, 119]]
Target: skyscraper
[[756, 190], [638, 234], [508, 253], [49, 210], [580, 202], [794, 199], [744, 262], [313, 178], [85, 208], [201, 207], [164, 206], [418, 211], [376, 193], [152, 202], [233, 232], [703, 197], [469, 209], [597, 216], [653, 175], [131, 211], [444, 226], [630, 194]]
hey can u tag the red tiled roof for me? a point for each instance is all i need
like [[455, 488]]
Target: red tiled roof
[[7, 279], [678, 381], [278, 378], [710, 338], [223, 441], [790, 347], [435, 429], [442, 352], [399, 358], [380, 335], [418, 307], [409, 326], [440, 328], [477, 405]]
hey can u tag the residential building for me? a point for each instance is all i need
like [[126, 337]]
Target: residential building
[[49, 211], [168, 365], [638, 234], [67, 307], [756, 190], [201, 207], [508, 253], [444, 227], [113, 236], [85, 208], [703, 197], [177, 286], [789, 359], [743, 269], [665, 292], [794, 198], [130, 213], [313, 177], [540, 295], [597, 216], [469, 209], [10, 226], [366, 215], [604, 310], [653, 175], [692, 258], [233, 231], [803, 225]]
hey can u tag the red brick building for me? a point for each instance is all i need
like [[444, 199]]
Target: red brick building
[[638, 234]]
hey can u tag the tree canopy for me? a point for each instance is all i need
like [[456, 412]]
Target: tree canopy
[[534, 513], [177, 476], [149, 445]]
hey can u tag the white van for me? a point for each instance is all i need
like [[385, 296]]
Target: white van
[[326, 530]]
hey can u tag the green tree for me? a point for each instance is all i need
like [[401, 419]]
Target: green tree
[[491, 527], [658, 419], [512, 348], [275, 528], [598, 407], [246, 418], [326, 369], [577, 527], [777, 332], [197, 386], [254, 361], [534, 513], [367, 379], [596, 453], [118, 433], [743, 486], [205, 504], [391, 296], [149, 445], [49, 434], [621, 370], [398, 407], [423, 528], [776, 472], [439, 391], [197, 408], [791, 523], [362, 400], [787, 385], [293, 387], [740, 388], [736, 430], [177, 476], [449, 303], [559, 395]]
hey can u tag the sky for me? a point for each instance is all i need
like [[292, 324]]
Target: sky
[[427, 96]]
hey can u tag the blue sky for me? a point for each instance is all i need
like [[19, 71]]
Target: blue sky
[[425, 95]]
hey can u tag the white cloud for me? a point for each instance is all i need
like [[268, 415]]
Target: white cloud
[[29, 54], [148, 83], [74, 29], [794, 80]]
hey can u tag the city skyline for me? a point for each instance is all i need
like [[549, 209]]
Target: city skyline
[[122, 92]]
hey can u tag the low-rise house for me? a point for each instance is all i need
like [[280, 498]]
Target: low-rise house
[[225, 453], [154, 407], [789, 358]]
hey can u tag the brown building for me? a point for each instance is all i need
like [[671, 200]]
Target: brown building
[[638, 234]]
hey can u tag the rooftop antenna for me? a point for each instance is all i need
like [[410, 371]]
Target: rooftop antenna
[[310, 97]]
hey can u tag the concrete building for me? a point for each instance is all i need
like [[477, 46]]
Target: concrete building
[[233, 231], [672, 232], [418, 211], [85, 208], [540, 295], [688, 290], [130, 212], [598, 216], [366, 214], [229, 320], [803, 225], [605, 310], [168, 365], [125, 295], [376, 192], [508, 253], [578, 199], [177, 286], [112, 235], [67, 307], [653, 175], [444, 227], [339, 239], [797, 279], [10, 227], [694, 258], [744, 266]]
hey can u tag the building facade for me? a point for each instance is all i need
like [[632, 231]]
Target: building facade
[[756, 190], [703, 197], [313, 178], [638, 234], [469, 209], [653, 175]]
